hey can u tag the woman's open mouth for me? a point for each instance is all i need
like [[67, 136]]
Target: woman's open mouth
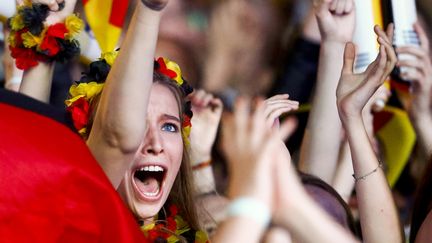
[[148, 180]]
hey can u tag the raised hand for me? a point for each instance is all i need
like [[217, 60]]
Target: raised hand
[[336, 19], [420, 73], [207, 112], [278, 105], [275, 107], [351, 101], [59, 9], [249, 146]]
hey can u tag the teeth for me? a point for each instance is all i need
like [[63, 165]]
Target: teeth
[[151, 194], [151, 168]]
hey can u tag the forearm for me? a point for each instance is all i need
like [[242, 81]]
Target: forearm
[[37, 81], [320, 146], [422, 125], [120, 121], [378, 214], [306, 222], [343, 181], [122, 110], [238, 229]]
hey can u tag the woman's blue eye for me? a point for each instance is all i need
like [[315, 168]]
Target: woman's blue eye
[[169, 127]]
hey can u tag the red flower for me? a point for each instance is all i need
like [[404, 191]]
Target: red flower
[[18, 39], [164, 70], [49, 44], [80, 113], [58, 30], [186, 121], [24, 58]]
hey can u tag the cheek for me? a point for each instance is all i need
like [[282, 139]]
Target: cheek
[[174, 148]]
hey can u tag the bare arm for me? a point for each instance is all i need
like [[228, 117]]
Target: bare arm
[[120, 121], [419, 105], [378, 214], [321, 141], [299, 214], [36, 81]]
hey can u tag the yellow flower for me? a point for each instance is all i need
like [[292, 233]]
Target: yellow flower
[[29, 40], [70, 101], [176, 68], [201, 237], [11, 39], [185, 134], [74, 25], [87, 90], [109, 57], [17, 22]]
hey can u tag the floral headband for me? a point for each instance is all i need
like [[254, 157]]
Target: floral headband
[[83, 93]]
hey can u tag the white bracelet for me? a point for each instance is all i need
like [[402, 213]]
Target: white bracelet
[[250, 208], [13, 81]]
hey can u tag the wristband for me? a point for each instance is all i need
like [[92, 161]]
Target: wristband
[[31, 41], [250, 208], [202, 165]]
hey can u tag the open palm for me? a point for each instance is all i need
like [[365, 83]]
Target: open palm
[[355, 90]]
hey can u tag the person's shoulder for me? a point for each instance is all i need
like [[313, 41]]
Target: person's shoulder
[[24, 102]]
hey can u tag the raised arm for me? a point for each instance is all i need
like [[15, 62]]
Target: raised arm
[[378, 214], [120, 121], [249, 146], [37, 80], [322, 138], [420, 73]]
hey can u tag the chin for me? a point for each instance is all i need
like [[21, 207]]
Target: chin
[[146, 189]]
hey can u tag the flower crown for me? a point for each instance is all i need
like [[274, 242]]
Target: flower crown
[[31, 41], [83, 93]]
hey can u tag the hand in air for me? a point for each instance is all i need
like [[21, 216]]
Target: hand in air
[[336, 19], [420, 73], [59, 9], [355, 90], [250, 147], [275, 107], [207, 112]]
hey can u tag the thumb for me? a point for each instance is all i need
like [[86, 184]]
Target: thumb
[[288, 127], [349, 57]]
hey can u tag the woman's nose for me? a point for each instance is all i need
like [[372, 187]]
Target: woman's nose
[[152, 142]]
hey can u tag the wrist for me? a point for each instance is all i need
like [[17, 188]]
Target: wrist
[[154, 6], [251, 208], [44, 43]]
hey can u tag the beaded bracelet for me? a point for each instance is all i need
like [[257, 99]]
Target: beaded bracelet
[[363, 177], [31, 41]]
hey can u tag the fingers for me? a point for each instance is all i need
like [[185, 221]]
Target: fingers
[[390, 32], [424, 41], [288, 127], [277, 105], [274, 111], [259, 130], [420, 53], [278, 97], [241, 113], [340, 7], [349, 57], [52, 4], [413, 74], [386, 42]]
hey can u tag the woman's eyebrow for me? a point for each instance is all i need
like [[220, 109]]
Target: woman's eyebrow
[[170, 117]]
